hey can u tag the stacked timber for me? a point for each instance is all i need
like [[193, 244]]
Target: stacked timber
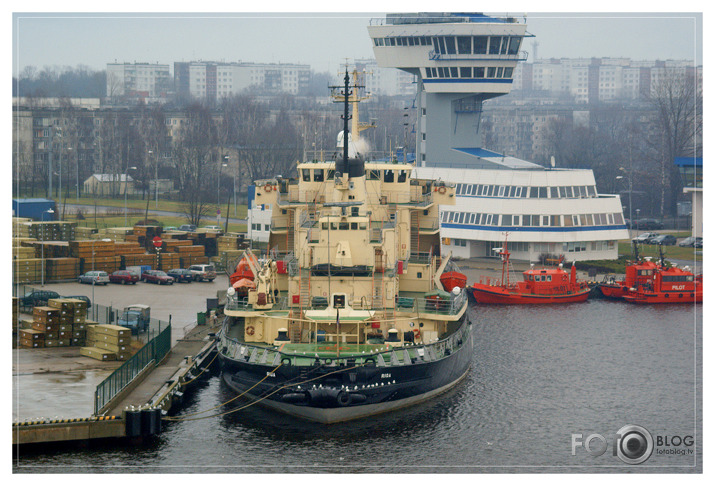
[[145, 234], [30, 338], [172, 245], [27, 270], [168, 261], [128, 248], [46, 230], [107, 342], [84, 232], [190, 250], [15, 319], [138, 260], [72, 321], [52, 249], [23, 252], [62, 268], [231, 241], [187, 261], [88, 248], [119, 234]]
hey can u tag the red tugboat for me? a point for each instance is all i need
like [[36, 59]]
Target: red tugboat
[[669, 286], [638, 273], [540, 286]]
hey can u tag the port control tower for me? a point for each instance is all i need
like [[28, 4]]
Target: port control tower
[[460, 60]]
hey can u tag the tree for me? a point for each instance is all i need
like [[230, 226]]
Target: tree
[[678, 104]]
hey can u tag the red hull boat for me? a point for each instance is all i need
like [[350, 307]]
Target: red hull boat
[[669, 286], [540, 286]]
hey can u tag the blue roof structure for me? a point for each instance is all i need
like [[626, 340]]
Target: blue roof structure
[[689, 161]]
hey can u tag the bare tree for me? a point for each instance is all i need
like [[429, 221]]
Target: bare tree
[[679, 115]]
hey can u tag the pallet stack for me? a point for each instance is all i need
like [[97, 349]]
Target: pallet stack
[[138, 260], [118, 234], [27, 270], [107, 342], [62, 268], [22, 252], [88, 248], [169, 261], [72, 321], [46, 230], [50, 249], [44, 328], [128, 248], [187, 261], [231, 241], [84, 232]]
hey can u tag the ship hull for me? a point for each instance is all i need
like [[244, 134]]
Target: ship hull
[[342, 392], [664, 297], [613, 291], [484, 294]]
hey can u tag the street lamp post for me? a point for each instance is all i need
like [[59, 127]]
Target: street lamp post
[[630, 202], [42, 246], [126, 182], [94, 280]]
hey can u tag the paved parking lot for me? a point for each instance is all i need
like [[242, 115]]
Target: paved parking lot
[[181, 300]]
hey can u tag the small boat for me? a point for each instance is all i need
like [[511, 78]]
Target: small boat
[[639, 272], [669, 286], [453, 279], [540, 286], [649, 282]]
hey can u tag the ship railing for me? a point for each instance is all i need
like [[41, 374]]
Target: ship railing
[[235, 303], [420, 257], [406, 353]]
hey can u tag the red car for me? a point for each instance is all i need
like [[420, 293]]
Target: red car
[[157, 277], [123, 277]]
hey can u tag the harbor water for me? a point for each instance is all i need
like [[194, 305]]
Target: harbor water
[[549, 388]]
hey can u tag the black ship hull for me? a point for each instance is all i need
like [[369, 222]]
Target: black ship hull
[[342, 390]]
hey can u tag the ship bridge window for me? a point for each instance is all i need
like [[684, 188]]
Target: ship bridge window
[[464, 44], [508, 72], [343, 226], [472, 189], [500, 71], [318, 175], [591, 191], [491, 72], [450, 45], [331, 174], [402, 176], [353, 226], [389, 176], [454, 71], [373, 175], [478, 72], [428, 72], [465, 72], [514, 43], [306, 175]]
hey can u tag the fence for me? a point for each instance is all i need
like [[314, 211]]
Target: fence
[[151, 353]]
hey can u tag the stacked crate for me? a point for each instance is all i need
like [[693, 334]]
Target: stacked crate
[[128, 248], [108, 342], [119, 234], [29, 338], [231, 241], [22, 252], [44, 328], [15, 318], [72, 321], [50, 249], [95, 255], [139, 260]]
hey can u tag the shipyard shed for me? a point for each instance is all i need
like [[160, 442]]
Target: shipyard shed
[[33, 208]]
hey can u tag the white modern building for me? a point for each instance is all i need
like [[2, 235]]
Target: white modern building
[[459, 61], [543, 211]]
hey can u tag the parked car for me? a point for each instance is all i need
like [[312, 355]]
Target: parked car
[[203, 272], [38, 298], [645, 237], [170, 228], [667, 240], [694, 241], [648, 224], [95, 277], [213, 228], [123, 277], [157, 277], [79, 297], [181, 275], [187, 227]]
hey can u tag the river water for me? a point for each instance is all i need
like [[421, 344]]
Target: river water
[[543, 380]]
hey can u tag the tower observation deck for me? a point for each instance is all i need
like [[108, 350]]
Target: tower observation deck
[[460, 60]]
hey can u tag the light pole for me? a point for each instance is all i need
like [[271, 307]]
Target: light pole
[[126, 182], [638, 216], [630, 202], [94, 280], [156, 181], [42, 246]]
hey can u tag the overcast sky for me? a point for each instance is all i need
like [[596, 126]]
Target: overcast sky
[[322, 40]]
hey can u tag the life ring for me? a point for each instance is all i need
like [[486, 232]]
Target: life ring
[[442, 189], [417, 334], [250, 330], [268, 188]]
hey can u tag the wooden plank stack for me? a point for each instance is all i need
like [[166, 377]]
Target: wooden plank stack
[[86, 248], [135, 260], [46, 230], [187, 261], [84, 232], [72, 321], [108, 342], [62, 268], [52, 249], [27, 270], [128, 248], [29, 338], [231, 241], [168, 261]]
